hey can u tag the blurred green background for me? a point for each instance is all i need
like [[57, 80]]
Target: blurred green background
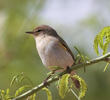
[[76, 21]]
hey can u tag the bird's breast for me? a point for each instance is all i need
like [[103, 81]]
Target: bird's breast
[[51, 53]]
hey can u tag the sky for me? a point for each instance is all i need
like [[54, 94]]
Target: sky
[[67, 12], [75, 10]]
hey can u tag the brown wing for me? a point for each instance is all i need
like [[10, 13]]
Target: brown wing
[[62, 42], [66, 46]]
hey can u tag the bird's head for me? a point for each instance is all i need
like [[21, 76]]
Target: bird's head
[[43, 30]]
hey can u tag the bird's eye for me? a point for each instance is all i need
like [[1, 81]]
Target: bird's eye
[[38, 30]]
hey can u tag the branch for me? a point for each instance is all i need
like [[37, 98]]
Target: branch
[[53, 79]]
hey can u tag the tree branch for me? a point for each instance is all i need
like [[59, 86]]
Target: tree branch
[[53, 79]]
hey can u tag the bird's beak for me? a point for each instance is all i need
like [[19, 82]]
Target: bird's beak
[[30, 32]]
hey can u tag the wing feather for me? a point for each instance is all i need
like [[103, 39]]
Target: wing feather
[[66, 46]]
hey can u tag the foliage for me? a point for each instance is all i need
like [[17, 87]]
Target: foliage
[[102, 40], [21, 89], [49, 95], [5, 95], [83, 86], [80, 58], [63, 85], [16, 80], [32, 97], [106, 67], [55, 68]]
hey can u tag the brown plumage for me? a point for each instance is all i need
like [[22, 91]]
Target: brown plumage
[[52, 49]]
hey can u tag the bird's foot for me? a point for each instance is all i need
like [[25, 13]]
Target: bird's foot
[[68, 70]]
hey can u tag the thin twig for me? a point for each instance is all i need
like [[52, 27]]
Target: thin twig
[[53, 79]]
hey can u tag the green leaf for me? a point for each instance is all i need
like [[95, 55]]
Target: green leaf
[[49, 95], [106, 67], [81, 58], [16, 79], [21, 89], [4, 95], [13, 80], [96, 44], [83, 86], [8, 91], [77, 50], [102, 40], [32, 97], [7, 96], [105, 47], [63, 85], [55, 68]]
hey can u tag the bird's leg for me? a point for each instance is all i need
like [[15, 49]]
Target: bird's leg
[[49, 75], [68, 69]]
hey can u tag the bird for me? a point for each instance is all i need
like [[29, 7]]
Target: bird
[[52, 49]]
